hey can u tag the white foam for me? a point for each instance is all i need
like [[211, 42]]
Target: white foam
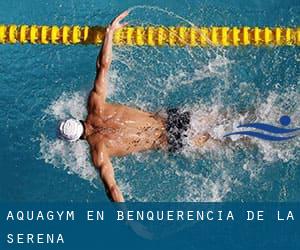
[[68, 105], [216, 121], [271, 110], [72, 157]]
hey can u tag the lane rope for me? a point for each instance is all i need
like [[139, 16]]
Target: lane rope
[[152, 35]]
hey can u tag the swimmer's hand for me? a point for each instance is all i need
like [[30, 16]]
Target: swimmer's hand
[[115, 24]]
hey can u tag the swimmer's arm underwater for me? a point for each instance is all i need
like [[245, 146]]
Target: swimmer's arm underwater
[[103, 164], [105, 56]]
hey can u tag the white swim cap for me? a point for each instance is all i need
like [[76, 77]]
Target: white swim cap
[[70, 130]]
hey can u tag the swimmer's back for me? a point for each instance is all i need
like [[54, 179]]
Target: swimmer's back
[[126, 130]]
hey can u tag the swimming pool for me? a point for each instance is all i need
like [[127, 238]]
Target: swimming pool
[[42, 84]]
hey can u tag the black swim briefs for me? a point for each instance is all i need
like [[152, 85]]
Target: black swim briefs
[[177, 124]]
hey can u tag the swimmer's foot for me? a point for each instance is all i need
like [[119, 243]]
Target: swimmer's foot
[[200, 140]]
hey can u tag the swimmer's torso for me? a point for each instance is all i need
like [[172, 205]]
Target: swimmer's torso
[[124, 130]]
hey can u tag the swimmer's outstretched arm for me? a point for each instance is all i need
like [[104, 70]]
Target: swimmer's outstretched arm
[[105, 56], [103, 164]]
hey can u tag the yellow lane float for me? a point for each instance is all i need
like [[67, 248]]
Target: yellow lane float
[[152, 35]]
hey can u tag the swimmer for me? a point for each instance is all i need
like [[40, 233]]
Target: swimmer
[[114, 130]]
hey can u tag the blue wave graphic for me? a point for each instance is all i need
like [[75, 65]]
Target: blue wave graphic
[[262, 136], [269, 128], [284, 121]]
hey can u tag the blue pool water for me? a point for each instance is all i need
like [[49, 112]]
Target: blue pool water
[[42, 84]]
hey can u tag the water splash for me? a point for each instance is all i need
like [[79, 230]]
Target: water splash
[[74, 158], [215, 85], [192, 185]]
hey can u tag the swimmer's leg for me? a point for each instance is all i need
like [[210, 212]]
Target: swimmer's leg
[[200, 140]]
